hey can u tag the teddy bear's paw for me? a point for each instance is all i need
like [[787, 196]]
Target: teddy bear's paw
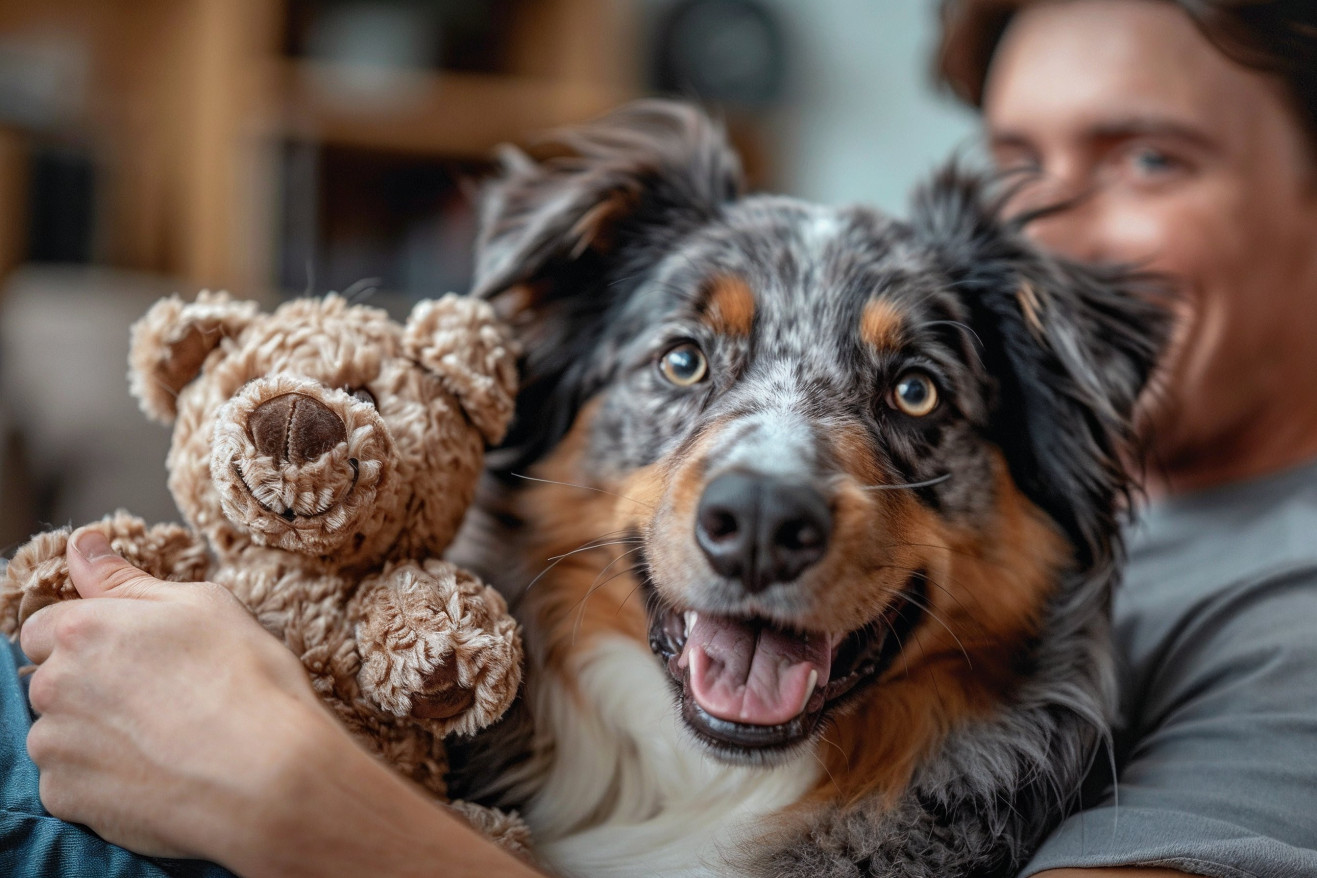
[[504, 828], [38, 575], [437, 645]]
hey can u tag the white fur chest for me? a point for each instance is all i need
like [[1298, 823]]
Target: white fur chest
[[629, 793]]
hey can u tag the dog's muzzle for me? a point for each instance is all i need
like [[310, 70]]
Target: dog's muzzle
[[298, 465]]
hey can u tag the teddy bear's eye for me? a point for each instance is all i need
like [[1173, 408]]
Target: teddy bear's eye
[[361, 394]]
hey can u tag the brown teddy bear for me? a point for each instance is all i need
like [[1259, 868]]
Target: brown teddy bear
[[324, 456]]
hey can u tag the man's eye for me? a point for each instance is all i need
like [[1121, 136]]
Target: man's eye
[[1151, 160], [684, 365], [1148, 161]]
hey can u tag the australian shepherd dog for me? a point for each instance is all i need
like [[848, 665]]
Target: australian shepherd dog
[[810, 515]]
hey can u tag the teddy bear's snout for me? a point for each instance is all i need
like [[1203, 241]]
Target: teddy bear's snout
[[295, 428], [299, 465]]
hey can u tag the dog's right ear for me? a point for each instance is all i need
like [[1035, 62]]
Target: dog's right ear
[[564, 240], [171, 342], [649, 171]]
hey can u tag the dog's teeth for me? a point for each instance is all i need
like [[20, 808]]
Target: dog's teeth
[[691, 617], [809, 690]]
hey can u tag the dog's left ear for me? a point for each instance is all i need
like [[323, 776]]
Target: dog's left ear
[[1073, 348]]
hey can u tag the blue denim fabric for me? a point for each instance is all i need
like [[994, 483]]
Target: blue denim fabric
[[35, 845]]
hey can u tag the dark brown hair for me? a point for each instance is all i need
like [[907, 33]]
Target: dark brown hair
[[1274, 36]]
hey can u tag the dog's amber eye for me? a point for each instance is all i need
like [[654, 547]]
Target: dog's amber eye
[[684, 365], [361, 394], [915, 394]]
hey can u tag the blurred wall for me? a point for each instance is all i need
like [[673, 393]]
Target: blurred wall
[[863, 120]]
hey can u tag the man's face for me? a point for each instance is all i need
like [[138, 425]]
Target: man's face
[[1195, 167]]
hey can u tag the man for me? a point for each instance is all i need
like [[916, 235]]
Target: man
[[166, 704], [1183, 135]]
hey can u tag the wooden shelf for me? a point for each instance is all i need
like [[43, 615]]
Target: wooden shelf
[[189, 104], [454, 114]]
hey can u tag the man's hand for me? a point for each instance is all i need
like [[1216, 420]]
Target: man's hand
[[173, 724], [161, 704]]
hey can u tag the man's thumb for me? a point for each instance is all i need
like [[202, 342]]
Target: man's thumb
[[97, 571]]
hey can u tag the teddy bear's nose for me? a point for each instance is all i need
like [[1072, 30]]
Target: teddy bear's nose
[[294, 428]]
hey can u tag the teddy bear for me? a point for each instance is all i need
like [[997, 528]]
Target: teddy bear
[[323, 457]]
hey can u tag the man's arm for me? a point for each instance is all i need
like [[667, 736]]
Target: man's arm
[[1111, 873], [173, 724]]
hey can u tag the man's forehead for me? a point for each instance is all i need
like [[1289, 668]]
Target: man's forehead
[[1094, 64]]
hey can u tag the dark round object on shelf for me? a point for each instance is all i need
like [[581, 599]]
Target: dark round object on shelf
[[722, 51]]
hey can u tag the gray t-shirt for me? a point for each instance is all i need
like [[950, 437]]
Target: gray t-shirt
[[1216, 626]]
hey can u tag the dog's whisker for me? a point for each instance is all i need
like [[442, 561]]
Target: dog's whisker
[[639, 584], [959, 324], [932, 677], [846, 757], [948, 592], [940, 586], [924, 484], [594, 587], [932, 614], [582, 487], [591, 546], [558, 559], [818, 757]]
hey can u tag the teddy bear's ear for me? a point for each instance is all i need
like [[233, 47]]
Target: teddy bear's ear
[[460, 340], [171, 342]]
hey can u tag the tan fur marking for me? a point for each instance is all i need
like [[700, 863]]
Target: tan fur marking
[[1032, 307], [854, 450], [674, 555], [881, 324], [731, 309], [586, 591], [986, 595], [594, 228]]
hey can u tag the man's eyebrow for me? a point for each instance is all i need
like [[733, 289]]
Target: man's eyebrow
[[1114, 130], [1008, 140], [1140, 126]]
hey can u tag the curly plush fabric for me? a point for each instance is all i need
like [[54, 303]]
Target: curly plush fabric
[[323, 457]]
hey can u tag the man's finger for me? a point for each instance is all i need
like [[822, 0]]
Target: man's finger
[[37, 636], [97, 571]]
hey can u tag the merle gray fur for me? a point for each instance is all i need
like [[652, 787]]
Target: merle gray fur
[[1053, 387]]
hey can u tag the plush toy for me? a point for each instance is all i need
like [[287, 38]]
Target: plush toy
[[324, 456]]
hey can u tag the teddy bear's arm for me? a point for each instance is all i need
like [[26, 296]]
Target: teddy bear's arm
[[436, 644], [504, 828], [38, 574]]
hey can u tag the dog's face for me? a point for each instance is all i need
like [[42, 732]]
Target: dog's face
[[834, 447]]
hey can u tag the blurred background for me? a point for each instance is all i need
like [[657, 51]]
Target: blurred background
[[280, 147]]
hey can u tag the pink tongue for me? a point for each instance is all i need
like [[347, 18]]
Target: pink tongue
[[753, 674]]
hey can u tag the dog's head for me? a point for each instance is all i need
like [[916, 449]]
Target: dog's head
[[835, 447]]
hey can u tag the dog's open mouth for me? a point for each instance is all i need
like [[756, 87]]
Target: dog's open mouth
[[750, 687]]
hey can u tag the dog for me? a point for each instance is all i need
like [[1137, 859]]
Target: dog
[[810, 515]]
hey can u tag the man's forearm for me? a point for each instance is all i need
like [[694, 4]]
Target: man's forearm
[[1118, 872], [336, 811]]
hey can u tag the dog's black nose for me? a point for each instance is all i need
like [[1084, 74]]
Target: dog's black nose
[[761, 530]]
